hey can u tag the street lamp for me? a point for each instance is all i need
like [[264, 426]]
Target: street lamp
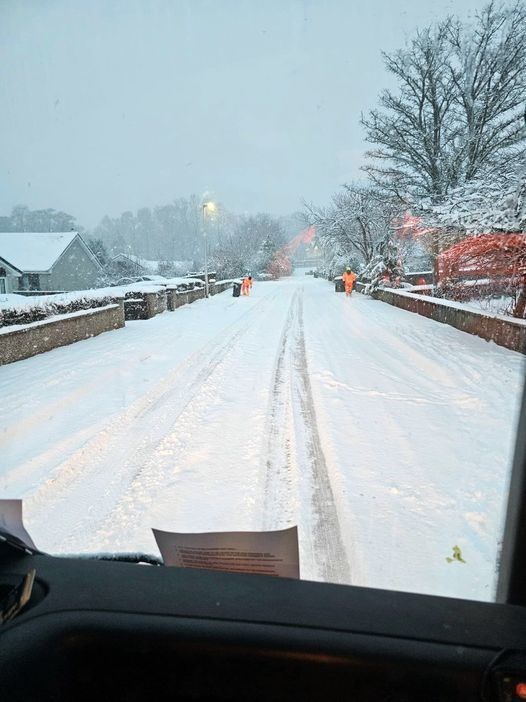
[[207, 208]]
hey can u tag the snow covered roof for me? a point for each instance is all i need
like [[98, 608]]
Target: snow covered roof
[[13, 270], [34, 251], [150, 266], [147, 266]]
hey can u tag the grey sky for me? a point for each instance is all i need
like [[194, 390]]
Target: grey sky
[[113, 105]]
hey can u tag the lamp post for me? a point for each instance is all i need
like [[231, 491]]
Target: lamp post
[[210, 208]]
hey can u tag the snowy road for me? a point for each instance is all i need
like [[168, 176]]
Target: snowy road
[[385, 436]]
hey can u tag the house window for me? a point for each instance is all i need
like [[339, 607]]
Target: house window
[[34, 281], [30, 281], [3, 281]]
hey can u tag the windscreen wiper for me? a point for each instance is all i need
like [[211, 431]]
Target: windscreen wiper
[[125, 557], [15, 542]]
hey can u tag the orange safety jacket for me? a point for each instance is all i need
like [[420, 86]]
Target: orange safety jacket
[[348, 279]]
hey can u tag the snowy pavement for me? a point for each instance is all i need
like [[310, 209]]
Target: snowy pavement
[[385, 436]]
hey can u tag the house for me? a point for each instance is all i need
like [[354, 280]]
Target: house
[[47, 261], [127, 264]]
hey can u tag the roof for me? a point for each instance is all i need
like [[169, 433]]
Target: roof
[[34, 251], [147, 266], [12, 269]]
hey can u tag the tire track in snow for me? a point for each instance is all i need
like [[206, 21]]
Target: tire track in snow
[[125, 443], [326, 542], [293, 451], [163, 475], [278, 511]]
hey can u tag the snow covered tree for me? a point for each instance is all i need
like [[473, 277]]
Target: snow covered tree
[[386, 266], [449, 144], [279, 266], [356, 220], [488, 68], [168, 232], [458, 108], [98, 248], [250, 246], [491, 202], [499, 259]]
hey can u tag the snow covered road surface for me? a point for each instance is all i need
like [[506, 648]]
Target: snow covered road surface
[[386, 436]]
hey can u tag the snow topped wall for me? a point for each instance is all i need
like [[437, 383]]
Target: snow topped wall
[[504, 331], [23, 341]]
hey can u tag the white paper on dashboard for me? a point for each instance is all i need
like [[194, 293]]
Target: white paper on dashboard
[[257, 552], [12, 522]]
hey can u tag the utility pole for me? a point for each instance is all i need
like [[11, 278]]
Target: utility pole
[[209, 207]]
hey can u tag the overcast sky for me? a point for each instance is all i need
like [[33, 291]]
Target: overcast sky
[[110, 105]]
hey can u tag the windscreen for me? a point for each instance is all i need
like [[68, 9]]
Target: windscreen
[[262, 266]]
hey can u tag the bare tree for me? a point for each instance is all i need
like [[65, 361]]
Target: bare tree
[[488, 69], [458, 109], [415, 130], [22, 219]]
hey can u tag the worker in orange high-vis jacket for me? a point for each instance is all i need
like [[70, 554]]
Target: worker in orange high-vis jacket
[[348, 279], [246, 285]]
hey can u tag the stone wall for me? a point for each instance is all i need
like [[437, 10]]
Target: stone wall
[[17, 343], [506, 332], [221, 286], [23, 341], [145, 305], [195, 294], [175, 299], [155, 303]]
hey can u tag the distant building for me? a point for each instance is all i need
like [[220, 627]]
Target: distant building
[[47, 261], [126, 264], [307, 254], [129, 265]]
